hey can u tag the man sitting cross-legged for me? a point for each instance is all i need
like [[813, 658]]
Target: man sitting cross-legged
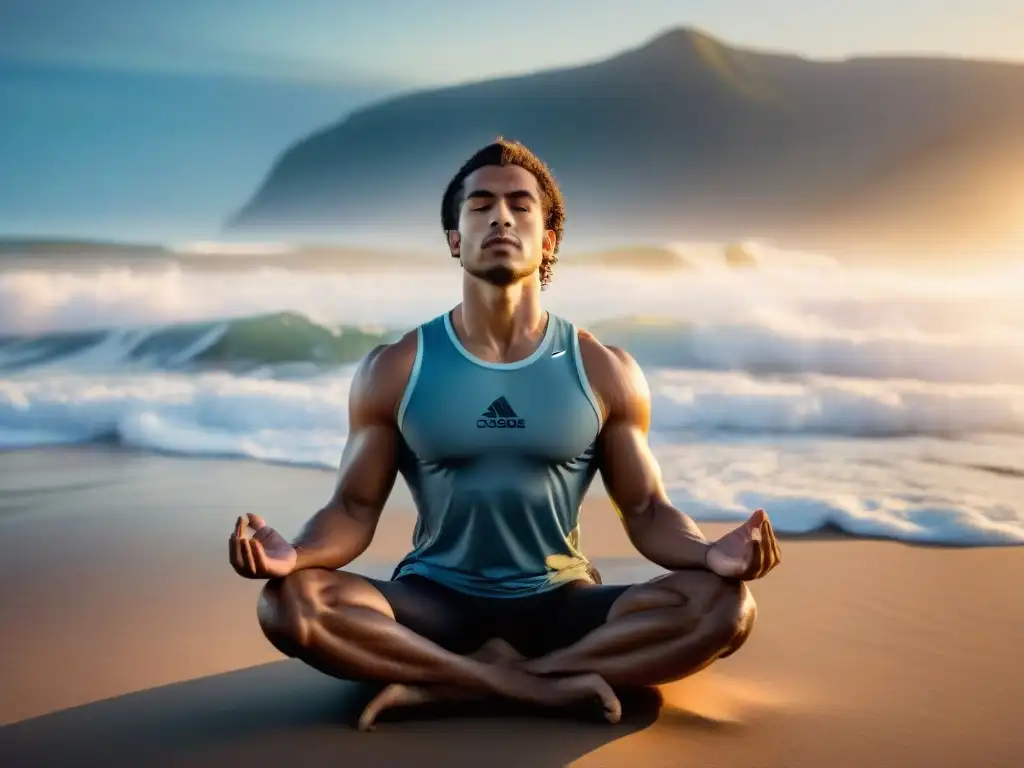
[[498, 414]]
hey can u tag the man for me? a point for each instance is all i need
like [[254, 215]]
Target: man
[[498, 415]]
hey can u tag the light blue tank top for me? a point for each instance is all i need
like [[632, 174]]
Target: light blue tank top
[[498, 457]]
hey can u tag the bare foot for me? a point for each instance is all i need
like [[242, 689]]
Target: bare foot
[[566, 690], [494, 651], [396, 695], [563, 691], [578, 688]]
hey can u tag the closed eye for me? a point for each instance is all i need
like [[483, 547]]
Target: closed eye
[[522, 197], [487, 207]]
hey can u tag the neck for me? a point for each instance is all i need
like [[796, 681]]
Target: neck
[[500, 317]]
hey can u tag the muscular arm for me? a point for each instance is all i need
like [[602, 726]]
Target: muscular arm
[[631, 475], [343, 529]]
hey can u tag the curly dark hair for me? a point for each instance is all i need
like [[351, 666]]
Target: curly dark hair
[[507, 152]]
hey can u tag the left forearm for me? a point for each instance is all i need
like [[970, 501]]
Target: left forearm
[[666, 536]]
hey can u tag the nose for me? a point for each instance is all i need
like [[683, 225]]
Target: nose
[[502, 215]]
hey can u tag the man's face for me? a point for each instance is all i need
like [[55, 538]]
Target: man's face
[[501, 237]]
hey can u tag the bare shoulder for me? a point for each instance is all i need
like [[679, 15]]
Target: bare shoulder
[[381, 378], [616, 378]]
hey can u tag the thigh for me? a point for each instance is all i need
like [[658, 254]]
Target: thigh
[[433, 611], [698, 590]]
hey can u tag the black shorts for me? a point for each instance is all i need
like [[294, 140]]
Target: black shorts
[[534, 625]]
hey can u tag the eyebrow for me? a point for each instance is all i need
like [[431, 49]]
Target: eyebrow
[[483, 194]]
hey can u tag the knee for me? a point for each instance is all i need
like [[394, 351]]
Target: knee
[[732, 616], [287, 608], [723, 609]]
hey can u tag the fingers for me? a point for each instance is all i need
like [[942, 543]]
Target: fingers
[[247, 555], [259, 555], [235, 543], [769, 547], [756, 563], [776, 552], [775, 545], [250, 558], [767, 550], [763, 548], [240, 551]]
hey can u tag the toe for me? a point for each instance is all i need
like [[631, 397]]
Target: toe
[[391, 696], [613, 710]]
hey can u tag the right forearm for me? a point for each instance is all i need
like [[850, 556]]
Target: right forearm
[[334, 537]]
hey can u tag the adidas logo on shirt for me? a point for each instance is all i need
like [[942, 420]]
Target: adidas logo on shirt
[[499, 415]]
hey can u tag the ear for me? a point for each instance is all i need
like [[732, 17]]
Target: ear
[[453, 243], [549, 243]]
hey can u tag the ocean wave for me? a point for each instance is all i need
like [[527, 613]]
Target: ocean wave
[[245, 343], [208, 414], [769, 349], [923, 490], [767, 321], [286, 339], [279, 371], [870, 401], [723, 440], [39, 302], [84, 407], [713, 402]]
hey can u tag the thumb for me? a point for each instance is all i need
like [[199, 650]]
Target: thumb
[[753, 522], [262, 532]]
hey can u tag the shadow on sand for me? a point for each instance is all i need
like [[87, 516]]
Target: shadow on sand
[[287, 712]]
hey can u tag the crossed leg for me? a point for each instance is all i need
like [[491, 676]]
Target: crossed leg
[[659, 631], [431, 647]]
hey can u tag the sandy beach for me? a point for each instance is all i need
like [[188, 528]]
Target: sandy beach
[[128, 640]]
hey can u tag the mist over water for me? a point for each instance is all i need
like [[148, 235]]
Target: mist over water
[[884, 402]]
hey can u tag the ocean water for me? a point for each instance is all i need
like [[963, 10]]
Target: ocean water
[[883, 402]]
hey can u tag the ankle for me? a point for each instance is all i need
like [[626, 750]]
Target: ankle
[[539, 666]]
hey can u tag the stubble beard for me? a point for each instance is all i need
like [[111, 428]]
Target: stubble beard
[[500, 275]]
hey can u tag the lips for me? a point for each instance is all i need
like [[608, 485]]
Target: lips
[[500, 241]]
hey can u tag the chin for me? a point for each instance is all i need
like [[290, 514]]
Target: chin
[[498, 274], [501, 274]]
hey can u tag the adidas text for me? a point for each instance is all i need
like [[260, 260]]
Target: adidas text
[[501, 423]]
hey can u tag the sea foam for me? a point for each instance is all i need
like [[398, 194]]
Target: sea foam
[[881, 402]]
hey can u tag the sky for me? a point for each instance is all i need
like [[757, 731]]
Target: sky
[[434, 42]]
